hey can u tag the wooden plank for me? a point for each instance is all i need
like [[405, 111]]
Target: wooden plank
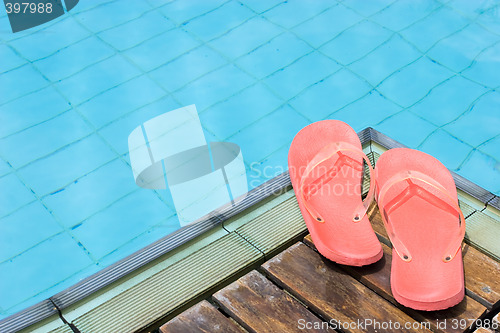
[[202, 317], [333, 294], [481, 271], [377, 277], [259, 306]]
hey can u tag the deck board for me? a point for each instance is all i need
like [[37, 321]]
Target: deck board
[[481, 271], [201, 318], [260, 306], [376, 276], [330, 291]]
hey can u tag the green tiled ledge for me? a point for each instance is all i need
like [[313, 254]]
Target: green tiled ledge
[[275, 227], [483, 231], [171, 288]]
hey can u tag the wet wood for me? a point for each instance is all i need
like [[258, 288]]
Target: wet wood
[[333, 293], [260, 306], [202, 317], [481, 271], [377, 278]]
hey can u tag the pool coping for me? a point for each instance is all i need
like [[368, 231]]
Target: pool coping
[[53, 305]]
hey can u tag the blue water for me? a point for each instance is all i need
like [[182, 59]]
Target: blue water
[[71, 91]]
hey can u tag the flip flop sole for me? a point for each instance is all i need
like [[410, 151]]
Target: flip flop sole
[[337, 238], [426, 282]]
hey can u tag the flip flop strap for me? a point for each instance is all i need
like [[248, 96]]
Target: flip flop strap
[[332, 150], [447, 204]]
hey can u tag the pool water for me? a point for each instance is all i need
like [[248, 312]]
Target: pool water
[[72, 90]]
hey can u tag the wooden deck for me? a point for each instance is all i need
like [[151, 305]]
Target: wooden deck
[[300, 291]]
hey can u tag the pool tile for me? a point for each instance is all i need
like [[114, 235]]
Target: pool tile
[[32, 271], [242, 109], [356, 42], [187, 68], [470, 9], [329, 95], [448, 100], [260, 6], [489, 170], [117, 132], [268, 134], [182, 11], [367, 8], [14, 239], [247, 37], [293, 12], [440, 24], [291, 80], [413, 82], [39, 45], [219, 21], [67, 165], [112, 14], [367, 112], [277, 54], [406, 128], [105, 231], [137, 30], [124, 98], [150, 236], [97, 190], [401, 14], [492, 148], [385, 59], [96, 79], [4, 168], [72, 59], [490, 18], [268, 168], [446, 148], [486, 67], [25, 112], [19, 82], [163, 48], [86, 5], [26, 146], [10, 59], [327, 25], [214, 87], [458, 51], [17, 196], [479, 124]]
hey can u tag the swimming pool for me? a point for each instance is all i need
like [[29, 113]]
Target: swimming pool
[[72, 90]]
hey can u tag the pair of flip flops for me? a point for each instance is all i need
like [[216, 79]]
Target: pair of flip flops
[[417, 199]]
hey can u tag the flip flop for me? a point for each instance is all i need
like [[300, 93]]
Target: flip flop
[[326, 169], [418, 202]]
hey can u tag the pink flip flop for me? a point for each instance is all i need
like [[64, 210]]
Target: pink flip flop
[[418, 202], [326, 169]]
